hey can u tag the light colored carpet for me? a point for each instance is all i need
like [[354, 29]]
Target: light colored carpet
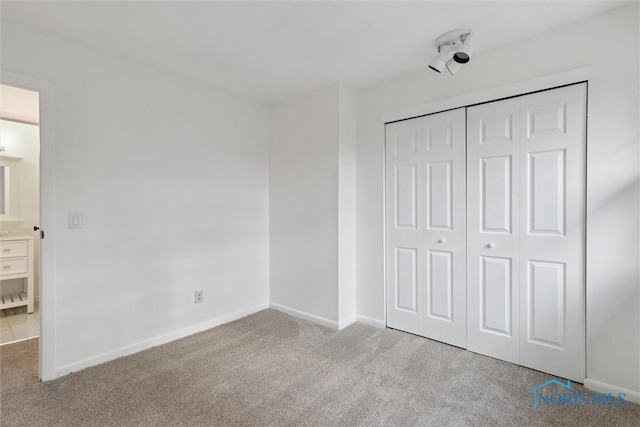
[[272, 369]]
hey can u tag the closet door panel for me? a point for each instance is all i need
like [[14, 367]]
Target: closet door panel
[[426, 229], [444, 231], [496, 308], [552, 230], [495, 199], [405, 307], [439, 200], [493, 175]]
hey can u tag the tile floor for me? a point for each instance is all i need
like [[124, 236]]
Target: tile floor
[[16, 324]]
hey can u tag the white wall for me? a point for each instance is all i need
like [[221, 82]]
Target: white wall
[[23, 140], [347, 206], [609, 44], [304, 204], [172, 180], [312, 209]]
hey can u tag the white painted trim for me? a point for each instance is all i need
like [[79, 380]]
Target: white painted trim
[[331, 324], [384, 228], [47, 365], [344, 323], [371, 321], [153, 342], [600, 387], [549, 81], [20, 340]]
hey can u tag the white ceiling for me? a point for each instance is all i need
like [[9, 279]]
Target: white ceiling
[[272, 51]]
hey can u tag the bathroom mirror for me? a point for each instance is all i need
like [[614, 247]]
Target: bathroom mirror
[[5, 190], [9, 189]]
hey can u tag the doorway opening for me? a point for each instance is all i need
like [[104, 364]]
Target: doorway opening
[[19, 214]]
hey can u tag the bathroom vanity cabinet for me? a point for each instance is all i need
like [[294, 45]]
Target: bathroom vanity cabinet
[[16, 262]]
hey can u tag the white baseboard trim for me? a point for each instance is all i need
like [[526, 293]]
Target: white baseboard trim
[[600, 387], [306, 316], [153, 342], [371, 321], [20, 340], [344, 323]]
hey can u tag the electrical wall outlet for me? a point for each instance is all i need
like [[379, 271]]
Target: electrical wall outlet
[[199, 296]]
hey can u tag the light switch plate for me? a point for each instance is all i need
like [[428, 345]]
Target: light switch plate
[[75, 220]]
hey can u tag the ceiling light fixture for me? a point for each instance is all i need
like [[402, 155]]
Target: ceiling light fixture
[[454, 48], [438, 63], [453, 66]]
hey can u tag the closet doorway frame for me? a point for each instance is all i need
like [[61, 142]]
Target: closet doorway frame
[[498, 93], [47, 347]]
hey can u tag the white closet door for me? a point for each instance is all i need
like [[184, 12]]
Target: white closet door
[[493, 227], [444, 228], [405, 297], [552, 231], [526, 228], [425, 215]]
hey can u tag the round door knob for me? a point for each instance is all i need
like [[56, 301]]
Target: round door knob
[[441, 240], [491, 245]]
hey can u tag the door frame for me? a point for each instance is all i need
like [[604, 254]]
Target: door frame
[[546, 82], [524, 87], [47, 169]]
